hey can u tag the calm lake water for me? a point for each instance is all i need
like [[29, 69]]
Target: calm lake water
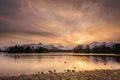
[[12, 64]]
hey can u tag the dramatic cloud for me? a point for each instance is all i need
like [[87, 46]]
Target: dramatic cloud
[[59, 21]]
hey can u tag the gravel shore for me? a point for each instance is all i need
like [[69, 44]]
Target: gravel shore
[[69, 75]]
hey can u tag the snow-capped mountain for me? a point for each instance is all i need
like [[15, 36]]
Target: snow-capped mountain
[[98, 44], [99, 47], [49, 47], [3, 48], [64, 48]]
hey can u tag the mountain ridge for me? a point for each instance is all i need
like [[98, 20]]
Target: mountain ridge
[[94, 47], [33, 47], [98, 47]]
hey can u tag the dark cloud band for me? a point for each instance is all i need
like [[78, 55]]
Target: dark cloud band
[[64, 20]]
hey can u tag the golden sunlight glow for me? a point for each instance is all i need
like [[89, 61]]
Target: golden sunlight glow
[[81, 64], [79, 42], [54, 22]]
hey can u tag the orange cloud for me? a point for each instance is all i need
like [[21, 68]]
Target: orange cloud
[[59, 21]]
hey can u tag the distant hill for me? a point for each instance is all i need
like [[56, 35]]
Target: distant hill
[[98, 47], [94, 47], [36, 48]]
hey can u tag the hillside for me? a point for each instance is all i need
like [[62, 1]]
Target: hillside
[[35, 48], [98, 47]]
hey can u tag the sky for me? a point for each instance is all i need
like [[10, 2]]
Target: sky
[[66, 22]]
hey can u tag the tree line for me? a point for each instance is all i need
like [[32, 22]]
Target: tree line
[[28, 49], [98, 49]]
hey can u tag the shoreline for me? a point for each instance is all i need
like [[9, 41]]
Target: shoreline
[[69, 75]]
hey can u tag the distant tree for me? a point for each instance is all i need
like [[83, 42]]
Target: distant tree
[[101, 48], [98, 49], [28, 50], [41, 50], [116, 48], [79, 48], [94, 50], [87, 49], [14, 49]]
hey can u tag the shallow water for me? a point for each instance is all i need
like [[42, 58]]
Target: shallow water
[[13, 64]]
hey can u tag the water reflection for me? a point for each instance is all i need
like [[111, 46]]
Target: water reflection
[[18, 64], [98, 62]]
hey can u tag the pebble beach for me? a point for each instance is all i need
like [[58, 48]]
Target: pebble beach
[[69, 75]]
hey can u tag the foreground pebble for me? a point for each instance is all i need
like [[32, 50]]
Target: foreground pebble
[[81, 75]]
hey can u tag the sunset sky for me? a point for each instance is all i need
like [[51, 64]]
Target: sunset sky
[[67, 22]]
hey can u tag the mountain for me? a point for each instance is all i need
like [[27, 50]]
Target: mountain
[[94, 47], [35, 48], [65, 48], [99, 47]]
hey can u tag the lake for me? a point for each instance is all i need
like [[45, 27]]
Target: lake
[[13, 64]]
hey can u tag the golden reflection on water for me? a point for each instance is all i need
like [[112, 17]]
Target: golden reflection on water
[[97, 62], [18, 64]]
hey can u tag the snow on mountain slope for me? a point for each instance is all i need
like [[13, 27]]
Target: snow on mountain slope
[[64, 48], [98, 44], [3, 48], [50, 47], [33, 46]]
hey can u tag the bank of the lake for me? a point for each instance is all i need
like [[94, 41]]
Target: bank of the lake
[[81, 75]]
